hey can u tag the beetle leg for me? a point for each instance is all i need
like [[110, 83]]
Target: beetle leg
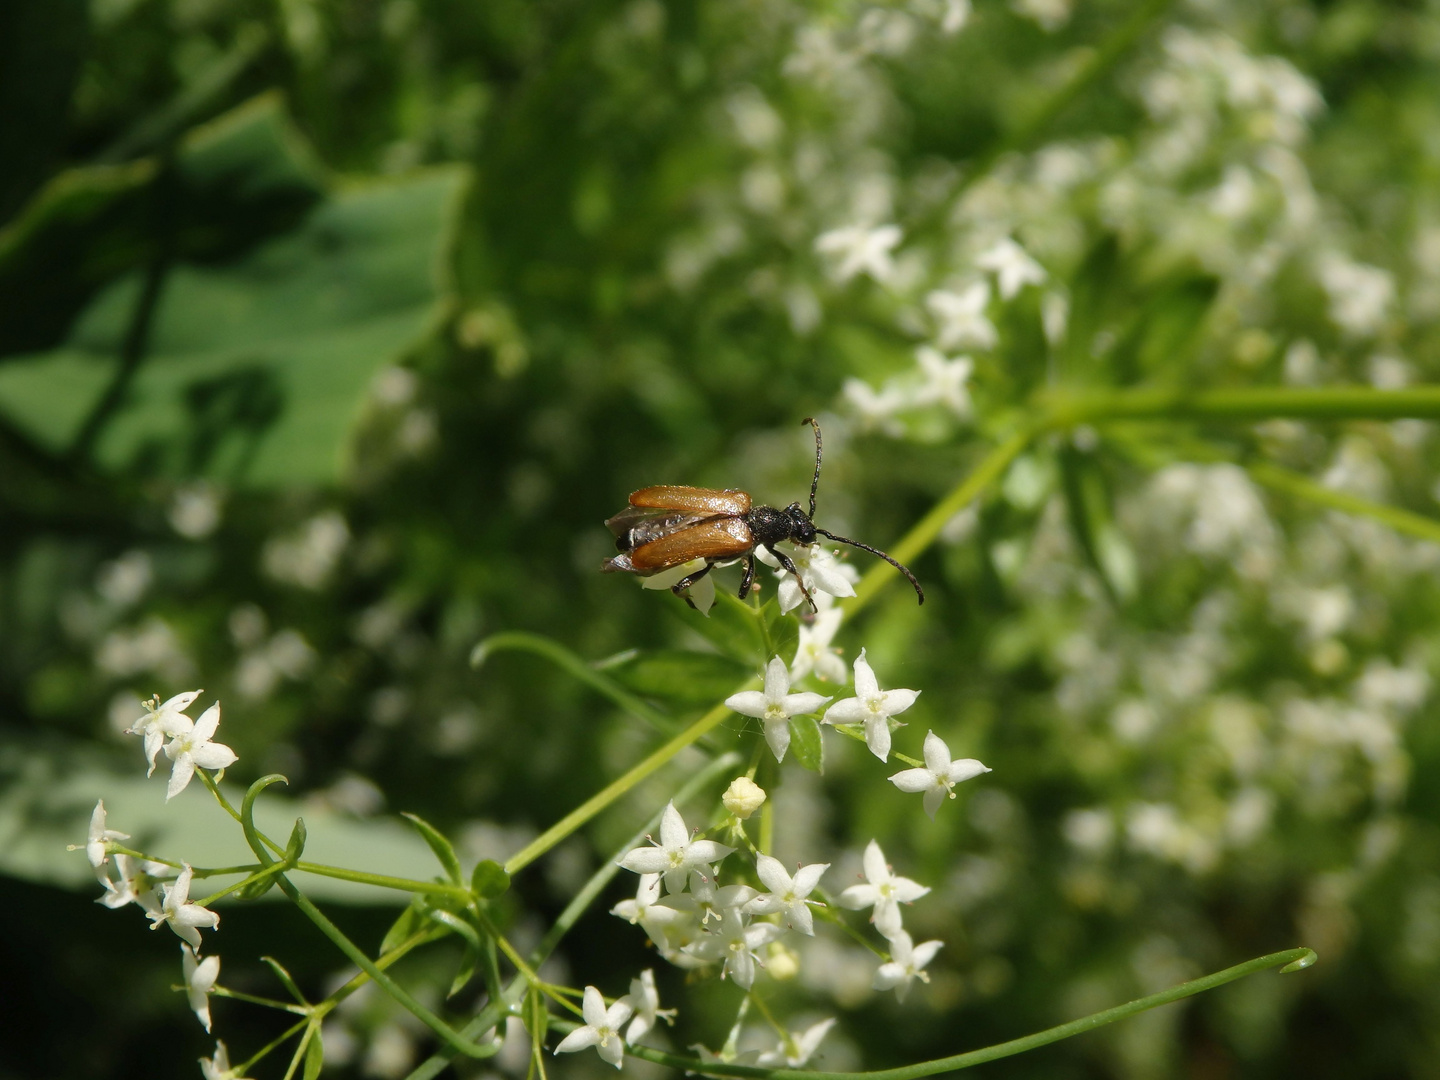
[[680, 587], [749, 577], [789, 566]]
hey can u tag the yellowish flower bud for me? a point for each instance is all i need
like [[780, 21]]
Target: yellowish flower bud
[[743, 797]]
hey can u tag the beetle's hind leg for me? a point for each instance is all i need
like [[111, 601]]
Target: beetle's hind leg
[[681, 587], [788, 565], [748, 578]]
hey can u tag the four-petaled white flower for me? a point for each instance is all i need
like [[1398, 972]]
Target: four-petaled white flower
[[788, 896], [872, 707], [735, 944], [645, 1000], [877, 409], [939, 776], [775, 705], [706, 900], [961, 317], [133, 883], [814, 653], [200, 979], [883, 890], [601, 1028], [646, 911], [191, 747], [184, 917], [96, 840], [218, 1067], [945, 380], [861, 249], [905, 964], [819, 569], [162, 722], [796, 1048], [675, 855], [1012, 266]]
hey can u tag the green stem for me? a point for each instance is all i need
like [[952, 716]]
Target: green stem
[[1293, 483], [1289, 960], [603, 798], [557, 654], [1065, 409], [385, 881]]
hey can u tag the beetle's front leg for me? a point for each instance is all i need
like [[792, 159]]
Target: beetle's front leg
[[680, 587], [748, 578], [789, 567]]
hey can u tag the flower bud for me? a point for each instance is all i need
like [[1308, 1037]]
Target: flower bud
[[743, 797], [781, 961]]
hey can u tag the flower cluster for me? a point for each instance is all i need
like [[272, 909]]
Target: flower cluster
[[189, 746]]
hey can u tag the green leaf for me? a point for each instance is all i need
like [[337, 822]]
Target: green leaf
[[410, 922], [489, 879], [314, 1053], [734, 628], [682, 678], [469, 960], [48, 788], [806, 743], [254, 371], [782, 632], [440, 846]]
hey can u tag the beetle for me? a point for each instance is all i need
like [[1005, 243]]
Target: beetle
[[669, 525]]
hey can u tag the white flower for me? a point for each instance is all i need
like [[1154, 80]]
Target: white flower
[[192, 747], [775, 705], [939, 776], [675, 855], [743, 797], [960, 317], [861, 250], [883, 890], [906, 961], [1012, 267], [134, 883], [876, 409], [218, 1067], [945, 380], [814, 652], [707, 900], [788, 896], [200, 978], [601, 1029], [184, 917], [735, 943], [162, 721], [645, 1000], [796, 1048], [820, 570], [871, 706], [96, 840]]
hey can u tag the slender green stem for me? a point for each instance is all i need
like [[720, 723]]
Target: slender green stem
[[1301, 486], [928, 528], [608, 794], [265, 1051], [1290, 960], [272, 1003], [563, 658], [1065, 409], [385, 881]]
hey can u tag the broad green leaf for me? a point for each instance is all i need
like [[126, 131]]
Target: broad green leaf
[[254, 370], [48, 789], [806, 743], [489, 879]]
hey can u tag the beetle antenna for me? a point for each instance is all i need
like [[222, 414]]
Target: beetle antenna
[[816, 482], [876, 551]]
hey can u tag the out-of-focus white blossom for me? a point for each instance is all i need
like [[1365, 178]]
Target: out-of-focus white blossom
[[960, 319], [814, 653], [906, 964], [861, 249], [200, 979], [1012, 266]]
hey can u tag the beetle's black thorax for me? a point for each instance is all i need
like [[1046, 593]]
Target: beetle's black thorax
[[770, 526]]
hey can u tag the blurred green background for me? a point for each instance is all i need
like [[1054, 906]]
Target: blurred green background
[[332, 330]]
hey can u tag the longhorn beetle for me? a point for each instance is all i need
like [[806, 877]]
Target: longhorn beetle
[[669, 525]]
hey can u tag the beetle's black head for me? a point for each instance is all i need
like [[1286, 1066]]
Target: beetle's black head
[[802, 530]]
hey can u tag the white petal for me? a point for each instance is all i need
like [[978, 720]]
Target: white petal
[[180, 773], [777, 681], [933, 800], [706, 851], [593, 1007], [215, 756], [894, 702], [937, 754], [747, 703], [578, 1039], [858, 896], [865, 684], [877, 736], [924, 953], [771, 872], [873, 861], [807, 877], [673, 833], [965, 769], [914, 780], [850, 711], [777, 736], [651, 860], [801, 704], [208, 722]]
